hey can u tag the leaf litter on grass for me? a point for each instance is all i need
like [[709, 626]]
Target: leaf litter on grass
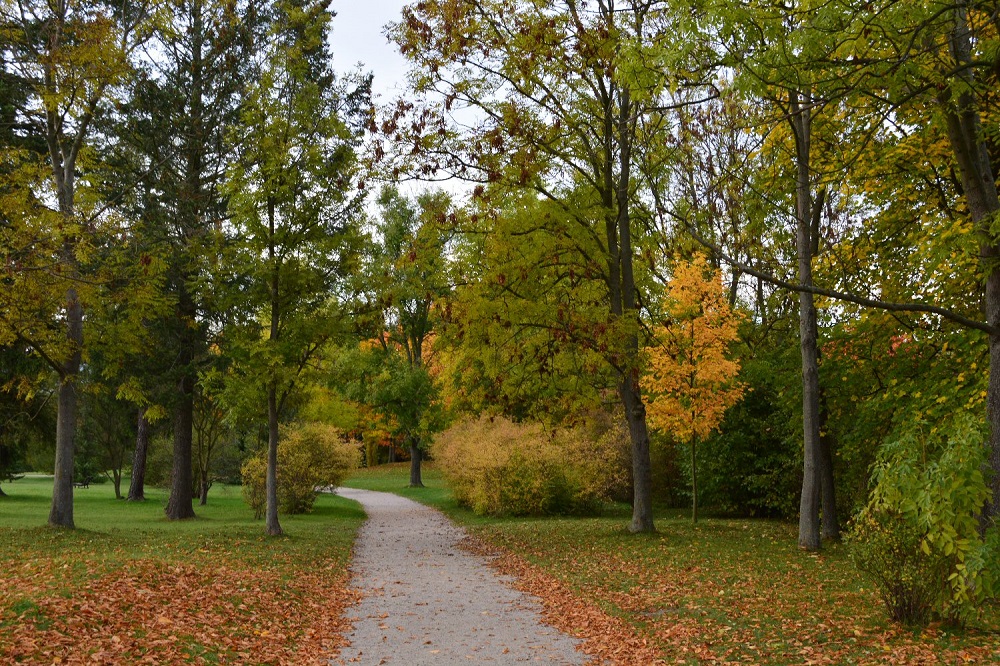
[[634, 605], [722, 592], [607, 638], [155, 612]]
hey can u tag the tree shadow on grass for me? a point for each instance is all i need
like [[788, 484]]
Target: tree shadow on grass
[[340, 510], [9, 498]]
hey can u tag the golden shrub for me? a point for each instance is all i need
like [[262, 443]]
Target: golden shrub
[[498, 467]]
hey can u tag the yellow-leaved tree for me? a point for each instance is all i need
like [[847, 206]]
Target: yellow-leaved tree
[[690, 380]]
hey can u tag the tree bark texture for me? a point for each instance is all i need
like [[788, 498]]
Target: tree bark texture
[[61, 512], [63, 164], [272, 526], [642, 470], [180, 505], [971, 151], [415, 458], [623, 302], [809, 523], [137, 485]]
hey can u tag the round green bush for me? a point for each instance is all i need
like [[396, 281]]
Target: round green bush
[[311, 456]]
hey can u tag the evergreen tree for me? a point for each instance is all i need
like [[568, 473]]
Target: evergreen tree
[[177, 129]]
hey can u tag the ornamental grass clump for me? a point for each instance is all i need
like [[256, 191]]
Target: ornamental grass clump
[[919, 538], [499, 468], [310, 456]]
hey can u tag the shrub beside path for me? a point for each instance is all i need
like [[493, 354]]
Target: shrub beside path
[[427, 601]]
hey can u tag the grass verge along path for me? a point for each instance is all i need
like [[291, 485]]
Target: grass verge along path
[[721, 591], [128, 586]]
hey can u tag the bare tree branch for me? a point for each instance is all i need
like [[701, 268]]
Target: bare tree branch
[[843, 296]]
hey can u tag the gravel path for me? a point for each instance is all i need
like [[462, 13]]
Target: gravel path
[[426, 601]]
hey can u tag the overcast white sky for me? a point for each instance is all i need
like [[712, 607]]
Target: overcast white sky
[[357, 37]]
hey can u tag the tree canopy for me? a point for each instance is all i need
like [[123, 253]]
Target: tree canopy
[[736, 249]]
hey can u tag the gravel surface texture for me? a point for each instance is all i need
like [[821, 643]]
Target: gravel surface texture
[[426, 601]]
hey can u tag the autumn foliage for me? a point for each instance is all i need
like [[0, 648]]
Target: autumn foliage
[[498, 467], [154, 612], [690, 380], [737, 593]]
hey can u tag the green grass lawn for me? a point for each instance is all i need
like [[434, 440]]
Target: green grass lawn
[[737, 591], [115, 529], [213, 584]]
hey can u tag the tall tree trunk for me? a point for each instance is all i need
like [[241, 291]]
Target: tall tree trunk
[[272, 526], [180, 504], [642, 470], [968, 145], [137, 484], [809, 534], [623, 303], [61, 513], [415, 458], [116, 478], [828, 489], [809, 527], [63, 164]]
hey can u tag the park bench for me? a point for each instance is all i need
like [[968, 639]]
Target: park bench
[[83, 484]]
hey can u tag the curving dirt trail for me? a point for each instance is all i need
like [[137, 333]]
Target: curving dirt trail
[[428, 602]]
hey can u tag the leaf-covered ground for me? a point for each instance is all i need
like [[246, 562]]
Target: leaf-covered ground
[[128, 586], [724, 591], [719, 593]]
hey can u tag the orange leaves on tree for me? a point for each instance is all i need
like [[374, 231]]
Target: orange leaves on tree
[[690, 379]]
